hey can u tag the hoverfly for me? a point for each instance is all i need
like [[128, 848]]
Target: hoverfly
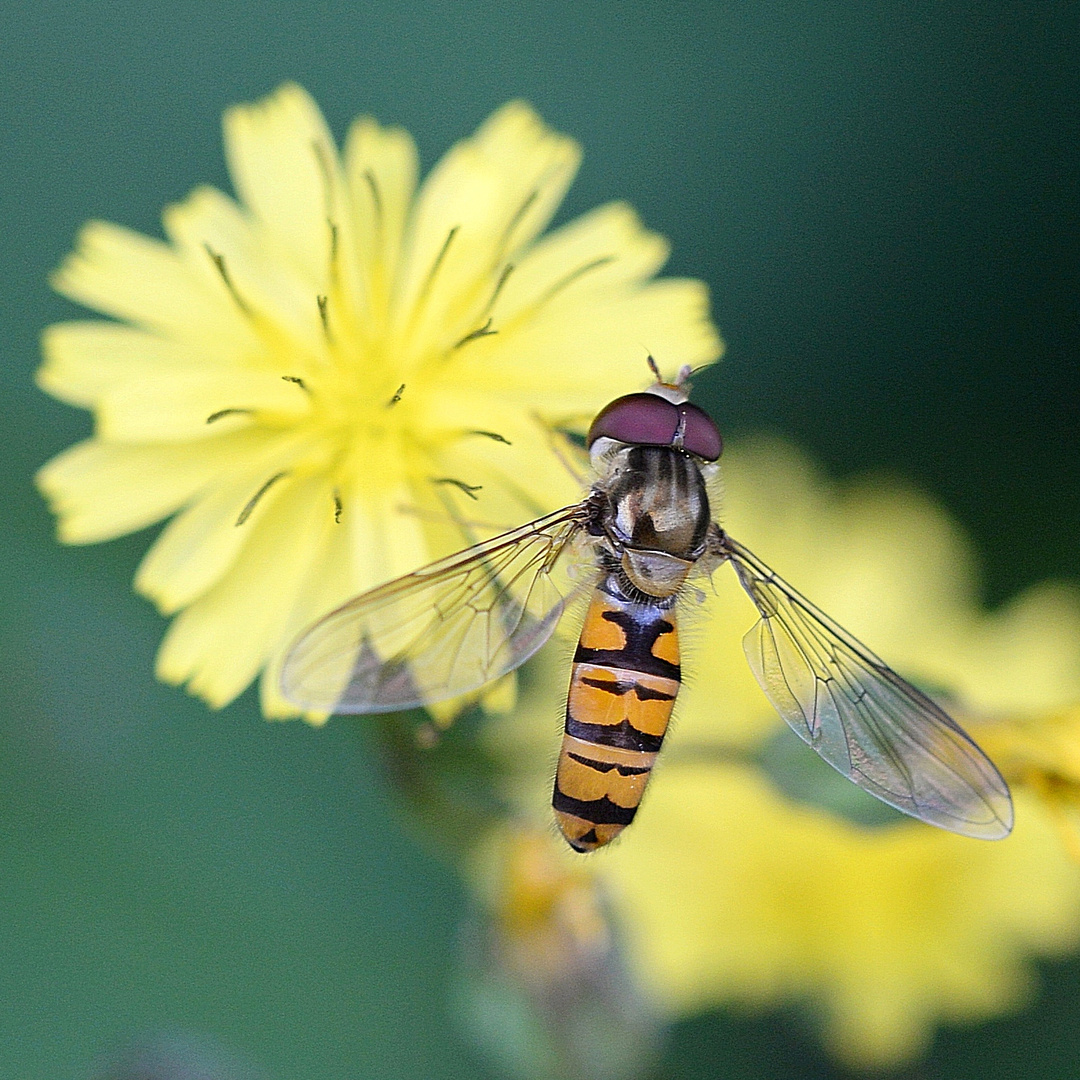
[[646, 525]]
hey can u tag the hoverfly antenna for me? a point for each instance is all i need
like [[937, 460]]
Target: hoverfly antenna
[[676, 391]]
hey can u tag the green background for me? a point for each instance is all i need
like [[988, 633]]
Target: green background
[[884, 200]]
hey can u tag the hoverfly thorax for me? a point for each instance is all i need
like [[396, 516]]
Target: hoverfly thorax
[[649, 449], [658, 501]]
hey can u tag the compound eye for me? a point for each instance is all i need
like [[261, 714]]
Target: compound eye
[[645, 419], [700, 435]]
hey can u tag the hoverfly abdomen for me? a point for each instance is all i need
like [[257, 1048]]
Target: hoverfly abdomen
[[623, 686]]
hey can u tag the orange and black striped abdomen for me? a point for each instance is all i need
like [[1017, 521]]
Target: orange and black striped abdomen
[[622, 690]]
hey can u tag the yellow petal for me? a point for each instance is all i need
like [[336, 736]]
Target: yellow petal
[[83, 360], [577, 319], [516, 143], [327, 569], [100, 491], [281, 156], [501, 696], [519, 479], [271, 293], [603, 249], [587, 350], [383, 542], [218, 644], [177, 404], [381, 167], [488, 196], [122, 273], [202, 544], [721, 705], [330, 582]]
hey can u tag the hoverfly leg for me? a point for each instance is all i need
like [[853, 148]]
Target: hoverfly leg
[[716, 551]]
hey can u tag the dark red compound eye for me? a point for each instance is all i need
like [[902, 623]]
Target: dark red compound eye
[[636, 418], [700, 436], [650, 420]]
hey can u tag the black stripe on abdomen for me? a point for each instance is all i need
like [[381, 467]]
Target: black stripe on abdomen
[[598, 811], [618, 687], [629, 660], [608, 766], [643, 625], [625, 736]]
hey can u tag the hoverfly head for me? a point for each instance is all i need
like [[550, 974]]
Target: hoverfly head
[[659, 416]]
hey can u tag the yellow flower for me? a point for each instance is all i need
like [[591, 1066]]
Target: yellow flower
[[755, 874], [316, 378]]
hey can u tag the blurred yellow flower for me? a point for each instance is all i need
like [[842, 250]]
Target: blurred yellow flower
[[316, 378], [755, 874], [545, 990], [1042, 754]]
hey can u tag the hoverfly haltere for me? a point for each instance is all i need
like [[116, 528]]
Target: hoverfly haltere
[[450, 627]]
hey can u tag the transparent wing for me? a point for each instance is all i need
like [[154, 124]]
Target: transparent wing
[[439, 632], [861, 717]]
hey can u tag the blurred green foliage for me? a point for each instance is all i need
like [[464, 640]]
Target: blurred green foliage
[[884, 200]]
